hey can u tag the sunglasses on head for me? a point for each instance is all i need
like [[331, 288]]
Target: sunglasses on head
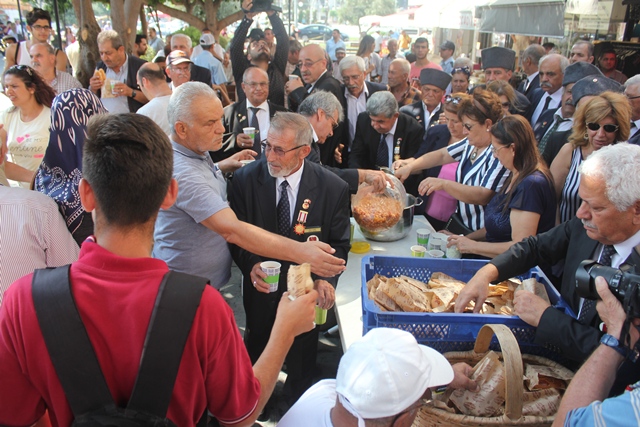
[[610, 128], [455, 100], [24, 68]]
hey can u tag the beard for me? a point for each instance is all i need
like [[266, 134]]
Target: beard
[[260, 56]]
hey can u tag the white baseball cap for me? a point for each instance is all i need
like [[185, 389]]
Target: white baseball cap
[[386, 371]]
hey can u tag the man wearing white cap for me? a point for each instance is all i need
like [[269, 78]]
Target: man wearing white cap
[[207, 60], [381, 379]]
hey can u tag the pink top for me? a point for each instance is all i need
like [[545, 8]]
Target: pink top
[[415, 70], [441, 205]]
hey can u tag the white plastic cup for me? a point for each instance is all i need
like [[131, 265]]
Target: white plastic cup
[[249, 131], [435, 253], [453, 252], [437, 241], [423, 236], [293, 77], [272, 268]]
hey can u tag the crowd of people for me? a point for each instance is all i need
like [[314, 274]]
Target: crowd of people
[[150, 169]]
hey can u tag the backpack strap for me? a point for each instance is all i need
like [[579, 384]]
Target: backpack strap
[[18, 46], [67, 341], [175, 308]]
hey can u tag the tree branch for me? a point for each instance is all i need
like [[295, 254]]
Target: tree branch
[[182, 15]]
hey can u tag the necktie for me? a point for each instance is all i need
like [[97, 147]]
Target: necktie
[[633, 130], [526, 85], [382, 159], [605, 259], [546, 104], [547, 135], [283, 211], [255, 124]]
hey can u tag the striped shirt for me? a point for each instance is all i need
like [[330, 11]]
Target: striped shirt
[[33, 235], [485, 172], [570, 200], [622, 410], [64, 81]]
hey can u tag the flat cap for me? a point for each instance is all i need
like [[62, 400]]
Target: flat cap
[[592, 86], [578, 71], [498, 57], [438, 78]]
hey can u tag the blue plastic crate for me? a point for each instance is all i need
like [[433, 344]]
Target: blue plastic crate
[[449, 331]]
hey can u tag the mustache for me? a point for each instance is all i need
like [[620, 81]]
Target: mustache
[[588, 224], [546, 84]]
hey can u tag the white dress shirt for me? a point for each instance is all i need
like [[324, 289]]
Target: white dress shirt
[[292, 189], [389, 141], [556, 100], [263, 117], [355, 106]]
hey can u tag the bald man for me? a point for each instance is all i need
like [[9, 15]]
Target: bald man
[[313, 68], [154, 86]]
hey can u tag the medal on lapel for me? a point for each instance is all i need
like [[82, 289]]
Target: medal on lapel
[[396, 150], [302, 220], [306, 203]]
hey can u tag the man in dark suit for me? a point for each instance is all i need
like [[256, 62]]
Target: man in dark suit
[[183, 43], [126, 96], [606, 228], [549, 95], [529, 61], [313, 67], [632, 92], [323, 111], [356, 92], [255, 111], [433, 86], [384, 135], [286, 194], [554, 126]]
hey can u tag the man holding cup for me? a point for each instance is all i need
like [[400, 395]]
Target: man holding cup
[[246, 122], [301, 200]]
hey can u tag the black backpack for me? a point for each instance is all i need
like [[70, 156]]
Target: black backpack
[[76, 364]]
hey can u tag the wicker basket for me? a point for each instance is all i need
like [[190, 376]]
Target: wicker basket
[[431, 416]]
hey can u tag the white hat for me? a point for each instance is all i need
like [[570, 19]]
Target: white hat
[[207, 40], [386, 371]]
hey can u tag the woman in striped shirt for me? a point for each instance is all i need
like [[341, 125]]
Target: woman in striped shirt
[[602, 120], [479, 175]]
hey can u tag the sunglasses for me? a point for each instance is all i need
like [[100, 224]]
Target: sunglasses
[[464, 70], [595, 127], [455, 100], [24, 68]]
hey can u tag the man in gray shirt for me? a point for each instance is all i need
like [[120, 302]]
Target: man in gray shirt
[[192, 235]]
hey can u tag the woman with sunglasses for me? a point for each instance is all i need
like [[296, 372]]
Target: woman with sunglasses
[[526, 205], [602, 120], [27, 122], [479, 175]]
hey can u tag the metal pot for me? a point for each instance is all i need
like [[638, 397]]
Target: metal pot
[[401, 229]]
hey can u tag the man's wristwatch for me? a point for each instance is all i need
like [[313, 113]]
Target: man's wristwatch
[[133, 93], [611, 341]]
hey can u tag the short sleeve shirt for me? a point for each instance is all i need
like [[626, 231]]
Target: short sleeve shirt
[[180, 239]]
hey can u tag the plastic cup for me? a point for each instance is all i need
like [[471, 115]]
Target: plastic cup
[[293, 77], [246, 162], [353, 228], [272, 268], [453, 252], [435, 253], [423, 236], [321, 316], [113, 84], [418, 251], [249, 131], [437, 241]]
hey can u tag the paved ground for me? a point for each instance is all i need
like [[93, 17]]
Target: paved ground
[[329, 348]]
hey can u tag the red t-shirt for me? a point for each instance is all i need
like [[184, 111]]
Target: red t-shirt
[[115, 298]]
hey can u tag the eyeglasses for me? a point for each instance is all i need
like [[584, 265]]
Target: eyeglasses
[[334, 123], [279, 152], [632, 97], [255, 85], [455, 100], [180, 70], [308, 64], [468, 127], [494, 150], [595, 127], [41, 27]]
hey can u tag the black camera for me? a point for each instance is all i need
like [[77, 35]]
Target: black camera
[[623, 284], [264, 6]]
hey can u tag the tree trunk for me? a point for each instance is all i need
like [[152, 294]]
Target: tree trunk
[[143, 21], [87, 39], [124, 16]]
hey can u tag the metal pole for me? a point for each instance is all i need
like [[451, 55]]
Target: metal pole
[[20, 16], [289, 14], [55, 9]]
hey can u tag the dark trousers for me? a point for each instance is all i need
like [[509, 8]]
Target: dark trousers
[[260, 309]]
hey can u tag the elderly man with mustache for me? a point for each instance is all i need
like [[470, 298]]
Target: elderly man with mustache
[[606, 228], [549, 94]]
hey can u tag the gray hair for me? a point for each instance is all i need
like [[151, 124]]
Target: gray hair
[[382, 103], [182, 99], [617, 165], [50, 49], [534, 52], [292, 121], [321, 100], [112, 36], [564, 61], [351, 60], [635, 80], [404, 65], [463, 62], [182, 36]]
